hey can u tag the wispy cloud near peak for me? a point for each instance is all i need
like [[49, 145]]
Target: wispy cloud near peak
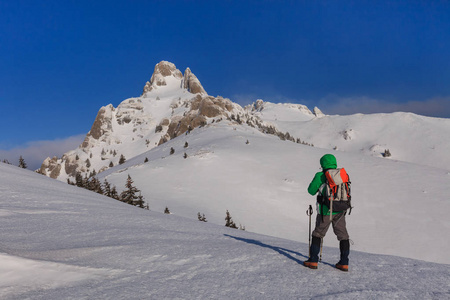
[[35, 152]]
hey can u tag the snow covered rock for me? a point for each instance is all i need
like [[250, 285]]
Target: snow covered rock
[[318, 113], [162, 70]]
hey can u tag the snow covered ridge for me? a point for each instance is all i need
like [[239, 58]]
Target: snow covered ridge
[[62, 242], [173, 103], [170, 105]]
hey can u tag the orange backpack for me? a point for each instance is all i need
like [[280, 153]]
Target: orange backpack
[[338, 190]]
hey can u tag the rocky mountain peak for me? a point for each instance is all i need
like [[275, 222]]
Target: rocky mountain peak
[[166, 69], [318, 113], [162, 70], [171, 105]]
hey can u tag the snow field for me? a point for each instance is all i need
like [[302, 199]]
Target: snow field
[[263, 185], [86, 246]]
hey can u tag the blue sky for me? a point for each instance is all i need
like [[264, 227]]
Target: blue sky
[[60, 61]]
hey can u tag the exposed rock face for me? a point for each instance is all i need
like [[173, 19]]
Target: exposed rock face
[[211, 107], [191, 83], [102, 124], [202, 108], [51, 167]]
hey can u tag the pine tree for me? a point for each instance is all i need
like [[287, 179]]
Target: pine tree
[[96, 186], [79, 180], [167, 211], [85, 181], [201, 217], [114, 193], [229, 221], [22, 163], [172, 151], [140, 201], [186, 145], [106, 188], [122, 159], [111, 164], [146, 160], [130, 194]]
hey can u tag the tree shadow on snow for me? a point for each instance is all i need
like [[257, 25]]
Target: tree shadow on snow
[[282, 251]]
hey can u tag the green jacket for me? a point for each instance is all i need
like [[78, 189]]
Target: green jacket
[[328, 161]]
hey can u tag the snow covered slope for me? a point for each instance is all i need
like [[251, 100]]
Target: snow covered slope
[[62, 242], [237, 161], [408, 137], [400, 208]]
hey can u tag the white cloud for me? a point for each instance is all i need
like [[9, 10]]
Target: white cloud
[[36, 152]]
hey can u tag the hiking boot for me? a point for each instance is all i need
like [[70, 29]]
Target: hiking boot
[[314, 253], [310, 264], [342, 267]]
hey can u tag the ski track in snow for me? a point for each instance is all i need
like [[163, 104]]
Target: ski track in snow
[[62, 242]]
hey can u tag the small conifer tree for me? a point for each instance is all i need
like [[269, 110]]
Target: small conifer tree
[[106, 188], [22, 163], [140, 201], [130, 194], [172, 151], [167, 211], [79, 182], [114, 193], [229, 221], [201, 217], [122, 159]]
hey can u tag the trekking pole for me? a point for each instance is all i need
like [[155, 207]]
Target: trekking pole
[[321, 246], [309, 213]]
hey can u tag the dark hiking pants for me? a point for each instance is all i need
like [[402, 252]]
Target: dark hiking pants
[[339, 226]]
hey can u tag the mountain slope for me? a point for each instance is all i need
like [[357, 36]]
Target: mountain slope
[[409, 137], [237, 161], [62, 242], [263, 185]]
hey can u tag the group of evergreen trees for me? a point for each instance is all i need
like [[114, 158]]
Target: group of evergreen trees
[[131, 195], [22, 163]]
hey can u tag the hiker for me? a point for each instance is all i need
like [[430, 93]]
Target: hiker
[[323, 220]]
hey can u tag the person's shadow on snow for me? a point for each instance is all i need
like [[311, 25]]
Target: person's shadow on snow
[[282, 251]]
